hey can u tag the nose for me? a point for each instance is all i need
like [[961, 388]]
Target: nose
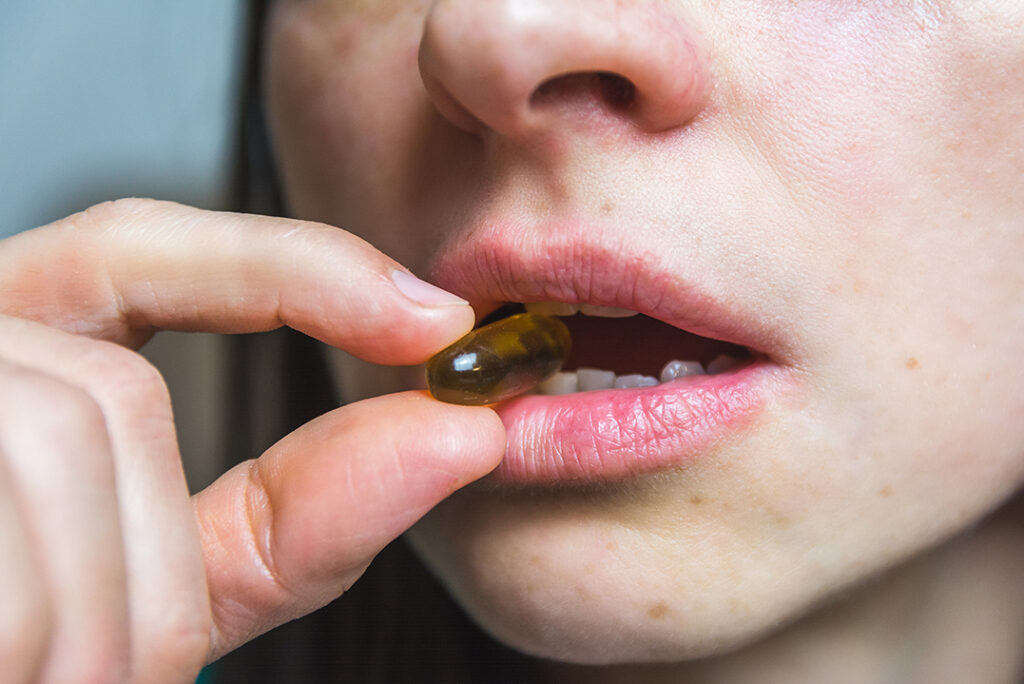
[[514, 65]]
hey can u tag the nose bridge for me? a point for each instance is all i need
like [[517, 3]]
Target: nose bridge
[[483, 61]]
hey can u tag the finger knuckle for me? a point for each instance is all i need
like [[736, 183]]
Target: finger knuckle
[[49, 405], [126, 381], [255, 599], [116, 212], [135, 376], [76, 410], [259, 509]]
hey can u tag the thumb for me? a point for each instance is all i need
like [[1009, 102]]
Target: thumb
[[291, 531]]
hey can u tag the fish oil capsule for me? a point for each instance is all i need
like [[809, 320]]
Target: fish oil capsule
[[499, 361]]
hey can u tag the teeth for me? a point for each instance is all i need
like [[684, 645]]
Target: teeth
[[559, 383], [589, 379], [551, 308], [564, 309], [626, 381], [722, 363], [678, 369], [606, 311], [595, 379]]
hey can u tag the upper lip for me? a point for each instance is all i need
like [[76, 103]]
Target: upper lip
[[577, 263]]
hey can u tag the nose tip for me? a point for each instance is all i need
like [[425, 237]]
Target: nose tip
[[516, 65]]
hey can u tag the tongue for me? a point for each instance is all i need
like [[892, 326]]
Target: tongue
[[639, 344]]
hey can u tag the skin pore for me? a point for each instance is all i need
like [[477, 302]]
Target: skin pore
[[845, 176]]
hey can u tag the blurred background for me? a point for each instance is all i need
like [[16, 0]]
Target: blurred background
[[111, 98], [117, 98]]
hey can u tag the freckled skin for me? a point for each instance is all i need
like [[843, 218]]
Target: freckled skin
[[658, 611], [855, 173]]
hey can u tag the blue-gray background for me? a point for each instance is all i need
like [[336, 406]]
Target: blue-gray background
[[116, 98]]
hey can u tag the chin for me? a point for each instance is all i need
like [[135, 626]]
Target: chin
[[549, 598], [641, 571], [688, 562]]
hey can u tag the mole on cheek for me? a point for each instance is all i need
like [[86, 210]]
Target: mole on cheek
[[658, 611]]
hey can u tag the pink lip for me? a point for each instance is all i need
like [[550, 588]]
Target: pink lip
[[621, 433], [576, 262], [616, 434]]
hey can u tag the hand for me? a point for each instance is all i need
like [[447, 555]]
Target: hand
[[110, 571]]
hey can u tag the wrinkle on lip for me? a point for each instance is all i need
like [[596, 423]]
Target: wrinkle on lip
[[565, 272], [616, 434]]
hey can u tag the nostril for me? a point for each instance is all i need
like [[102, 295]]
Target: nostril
[[611, 90], [519, 68], [618, 91]]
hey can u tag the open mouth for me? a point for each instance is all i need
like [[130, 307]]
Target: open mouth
[[614, 348], [635, 395], [639, 392]]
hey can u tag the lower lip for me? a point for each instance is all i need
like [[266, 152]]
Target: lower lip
[[617, 434]]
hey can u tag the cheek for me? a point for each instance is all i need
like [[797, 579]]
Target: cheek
[[874, 113], [896, 141], [345, 107]]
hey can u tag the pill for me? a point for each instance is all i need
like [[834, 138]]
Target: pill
[[499, 361]]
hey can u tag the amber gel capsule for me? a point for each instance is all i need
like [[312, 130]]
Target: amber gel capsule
[[500, 360]]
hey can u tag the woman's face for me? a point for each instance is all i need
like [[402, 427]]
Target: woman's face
[[837, 187]]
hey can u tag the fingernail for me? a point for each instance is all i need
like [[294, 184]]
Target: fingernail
[[423, 292]]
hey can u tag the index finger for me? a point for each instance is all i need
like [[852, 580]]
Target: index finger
[[122, 269]]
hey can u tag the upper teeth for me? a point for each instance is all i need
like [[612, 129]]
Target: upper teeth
[[564, 309], [588, 379]]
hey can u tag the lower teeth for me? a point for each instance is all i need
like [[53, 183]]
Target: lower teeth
[[594, 379], [679, 369], [627, 381], [589, 379]]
